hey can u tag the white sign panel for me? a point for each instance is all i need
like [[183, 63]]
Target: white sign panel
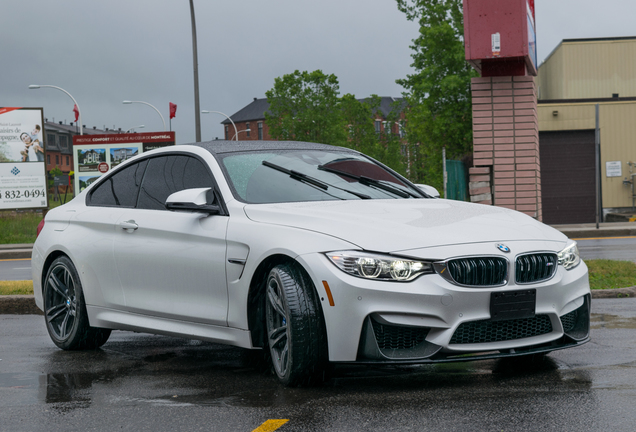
[[95, 155], [22, 167], [613, 169]]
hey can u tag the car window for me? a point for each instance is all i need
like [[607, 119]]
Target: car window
[[120, 189], [166, 175], [311, 175]]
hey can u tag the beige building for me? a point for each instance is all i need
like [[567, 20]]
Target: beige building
[[578, 75]]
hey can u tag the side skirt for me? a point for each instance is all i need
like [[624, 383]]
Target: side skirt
[[117, 320]]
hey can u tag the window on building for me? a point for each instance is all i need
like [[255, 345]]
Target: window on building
[[57, 159], [401, 129], [260, 130], [387, 128], [247, 127], [50, 139], [378, 126], [67, 161], [48, 159], [63, 142], [227, 132]]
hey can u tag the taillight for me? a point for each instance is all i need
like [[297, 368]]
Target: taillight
[[40, 226]]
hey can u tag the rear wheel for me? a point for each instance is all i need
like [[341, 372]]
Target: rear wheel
[[296, 333], [65, 310]]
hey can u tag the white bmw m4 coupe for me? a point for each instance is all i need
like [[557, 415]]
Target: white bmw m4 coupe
[[315, 254]]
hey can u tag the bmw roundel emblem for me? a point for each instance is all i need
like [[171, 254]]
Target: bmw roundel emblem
[[503, 248]]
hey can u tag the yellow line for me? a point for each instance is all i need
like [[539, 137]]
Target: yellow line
[[17, 259], [603, 238], [270, 425]]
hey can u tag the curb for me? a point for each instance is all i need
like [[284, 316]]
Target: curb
[[25, 304], [19, 305], [592, 232], [16, 251]]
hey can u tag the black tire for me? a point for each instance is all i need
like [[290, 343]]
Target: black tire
[[65, 309], [296, 334]]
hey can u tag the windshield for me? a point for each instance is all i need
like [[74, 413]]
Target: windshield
[[311, 175]]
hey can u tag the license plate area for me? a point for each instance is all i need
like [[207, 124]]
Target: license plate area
[[507, 305]]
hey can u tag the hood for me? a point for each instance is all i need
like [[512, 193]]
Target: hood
[[395, 225]]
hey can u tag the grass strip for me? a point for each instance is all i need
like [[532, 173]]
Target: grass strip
[[19, 228], [608, 274], [24, 287]]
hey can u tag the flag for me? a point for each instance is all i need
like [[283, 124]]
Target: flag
[[76, 111], [173, 110]]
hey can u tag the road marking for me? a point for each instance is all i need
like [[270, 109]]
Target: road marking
[[603, 238], [16, 259], [270, 425]]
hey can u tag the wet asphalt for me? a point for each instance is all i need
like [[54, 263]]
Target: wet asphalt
[[140, 382]]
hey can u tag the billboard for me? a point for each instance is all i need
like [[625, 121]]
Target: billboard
[[22, 166], [95, 155]]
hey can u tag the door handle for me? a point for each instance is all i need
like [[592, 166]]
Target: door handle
[[129, 225]]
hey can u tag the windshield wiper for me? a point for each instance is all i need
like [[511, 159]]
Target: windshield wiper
[[298, 175], [367, 181], [311, 180]]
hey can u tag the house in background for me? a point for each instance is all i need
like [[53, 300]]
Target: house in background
[[58, 143], [252, 117], [576, 76]]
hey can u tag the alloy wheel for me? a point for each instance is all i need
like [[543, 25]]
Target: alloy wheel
[[61, 301]]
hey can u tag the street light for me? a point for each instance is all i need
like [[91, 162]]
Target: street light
[[126, 102], [244, 130], [136, 127], [37, 86], [227, 116]]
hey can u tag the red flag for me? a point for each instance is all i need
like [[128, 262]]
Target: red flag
[[173, 110], [76, 111]]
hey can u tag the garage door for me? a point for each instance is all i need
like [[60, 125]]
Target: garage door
[[568, 186]]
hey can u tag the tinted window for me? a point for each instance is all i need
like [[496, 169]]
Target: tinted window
[[120, 189], [169, 174]]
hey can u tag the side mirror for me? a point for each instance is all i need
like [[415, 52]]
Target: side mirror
[[193, 200], [428, 190]]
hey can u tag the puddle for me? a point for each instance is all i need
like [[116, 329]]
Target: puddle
[[607, 321]]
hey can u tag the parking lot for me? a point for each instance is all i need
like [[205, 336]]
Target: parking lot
[[142, 382]]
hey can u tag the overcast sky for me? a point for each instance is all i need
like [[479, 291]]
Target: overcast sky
[[106, 52]]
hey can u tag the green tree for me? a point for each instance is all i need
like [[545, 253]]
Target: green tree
[[439, 91], [304, 106]]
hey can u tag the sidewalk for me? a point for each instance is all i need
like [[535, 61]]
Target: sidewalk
[[575, 231], [605, 229]]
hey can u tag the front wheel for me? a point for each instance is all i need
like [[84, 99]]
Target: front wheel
[[296, 332], [65, 310]]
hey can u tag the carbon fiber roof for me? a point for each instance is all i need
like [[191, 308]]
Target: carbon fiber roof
[[223, 146]]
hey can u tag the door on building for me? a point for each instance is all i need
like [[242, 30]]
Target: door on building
[[568, 186]]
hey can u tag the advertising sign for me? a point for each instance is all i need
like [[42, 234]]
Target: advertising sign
[[532, 35], [95, 155], [22, 167]]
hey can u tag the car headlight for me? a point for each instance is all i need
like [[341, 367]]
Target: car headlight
[[380, 267], [569, 257]]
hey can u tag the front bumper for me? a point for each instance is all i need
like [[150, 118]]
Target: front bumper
[[431, 320]]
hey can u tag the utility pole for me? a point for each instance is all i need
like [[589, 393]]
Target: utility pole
[[197, 113]]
